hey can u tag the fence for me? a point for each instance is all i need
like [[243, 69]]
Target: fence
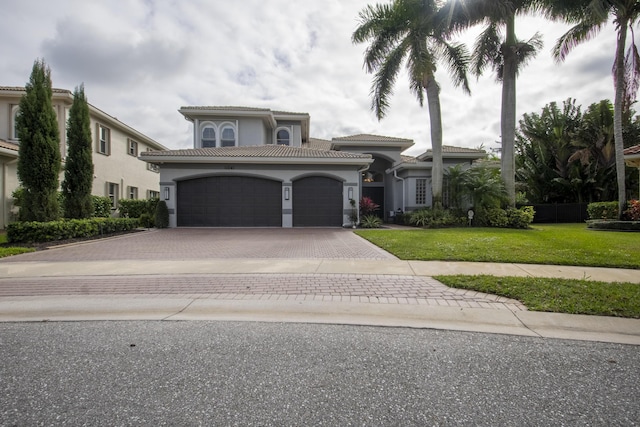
[[560, 213]]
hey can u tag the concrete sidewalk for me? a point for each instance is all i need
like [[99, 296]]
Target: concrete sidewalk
[[315, 298]]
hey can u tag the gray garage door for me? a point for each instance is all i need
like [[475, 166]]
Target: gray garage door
[[317, 202], [229, 201]]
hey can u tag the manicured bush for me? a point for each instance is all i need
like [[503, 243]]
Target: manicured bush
[[101, 206], [603, 210], [161, 218], [495, 217], [32, 231], [370, 221], [434, 218], [146, 220], [520, 218], [614, 225]]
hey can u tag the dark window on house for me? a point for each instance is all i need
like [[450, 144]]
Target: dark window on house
[[283, 137], [104, 140], [228, 137], [133, 148], [208, 137]]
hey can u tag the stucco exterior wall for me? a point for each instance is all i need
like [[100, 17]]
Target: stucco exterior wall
[[118, 167]]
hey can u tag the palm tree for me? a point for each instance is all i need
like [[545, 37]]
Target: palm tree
[[591, 16], [406, 30], [504, 53]]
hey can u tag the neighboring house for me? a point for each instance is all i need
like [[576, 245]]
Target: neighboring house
[[258, 167], [118, 173], [632, 159]]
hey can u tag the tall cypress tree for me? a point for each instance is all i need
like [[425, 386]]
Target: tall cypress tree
[[39, 152], [78, 174]]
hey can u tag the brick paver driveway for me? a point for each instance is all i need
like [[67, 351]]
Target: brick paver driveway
[[216, 243]]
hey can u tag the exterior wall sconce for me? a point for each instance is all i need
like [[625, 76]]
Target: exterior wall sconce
[[166, 193], [350, 193], [287, 193]]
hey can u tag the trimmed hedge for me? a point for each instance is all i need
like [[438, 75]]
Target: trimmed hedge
[[603, 210], [614, 225], [34, 232]]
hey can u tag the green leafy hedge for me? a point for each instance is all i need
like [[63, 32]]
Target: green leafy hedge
[[603, 210], [614, 225], [31, 232]]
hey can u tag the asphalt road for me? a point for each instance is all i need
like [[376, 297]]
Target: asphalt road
[[271, 374]]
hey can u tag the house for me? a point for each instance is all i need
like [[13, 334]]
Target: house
[[253, 167], [632, 159], [118, 173]]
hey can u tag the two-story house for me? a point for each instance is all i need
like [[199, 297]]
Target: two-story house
[[118, 173], [257, 167]]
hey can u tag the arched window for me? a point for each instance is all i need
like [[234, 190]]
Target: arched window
[[208, 137], [283, 137], [228, 137]]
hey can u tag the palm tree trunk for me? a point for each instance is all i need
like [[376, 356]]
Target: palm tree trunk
[[508, 113], [617, 116], [435, 118]]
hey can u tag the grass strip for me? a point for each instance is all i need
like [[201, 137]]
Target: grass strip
[[557, 295]]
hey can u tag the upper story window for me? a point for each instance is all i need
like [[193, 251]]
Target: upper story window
[[104, 140], [208, 137], [133, 148], [228, 137], [15, 132], [283, 137]]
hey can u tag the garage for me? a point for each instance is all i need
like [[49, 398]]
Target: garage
[[229, 201], [317, 202]]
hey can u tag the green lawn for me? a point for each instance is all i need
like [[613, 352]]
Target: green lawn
[[559, 244], [8, 251], [558, 295]]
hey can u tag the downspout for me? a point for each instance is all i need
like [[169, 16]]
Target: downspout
[[395, 175]]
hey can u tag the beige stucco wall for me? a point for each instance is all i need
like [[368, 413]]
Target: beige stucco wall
[[119, 167]]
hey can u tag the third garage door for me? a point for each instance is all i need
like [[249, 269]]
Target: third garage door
[[229, 201], [317, 202]]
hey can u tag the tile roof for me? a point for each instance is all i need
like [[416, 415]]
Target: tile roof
[[317, 144], [232, 108], [21, 89], [452, 149], [408, 159], [632, 150], [371, 138], [9, 145], [264, 151]]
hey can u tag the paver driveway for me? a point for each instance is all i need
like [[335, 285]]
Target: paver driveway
[[216, 243]]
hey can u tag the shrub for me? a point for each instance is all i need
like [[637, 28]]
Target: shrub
[[614, 225], [146, 220], [161, 218], [370, 221], [101, 206], [496, 217], [433, 218], [520, 218], [32, 231], [367, 206], [633, 211], [603, 210]]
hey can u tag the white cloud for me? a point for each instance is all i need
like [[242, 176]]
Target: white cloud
[[143, 59]]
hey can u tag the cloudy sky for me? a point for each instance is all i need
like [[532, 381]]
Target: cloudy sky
[[141, 60]]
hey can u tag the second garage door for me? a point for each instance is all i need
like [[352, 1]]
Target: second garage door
[[317, 202], [229, 201]]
